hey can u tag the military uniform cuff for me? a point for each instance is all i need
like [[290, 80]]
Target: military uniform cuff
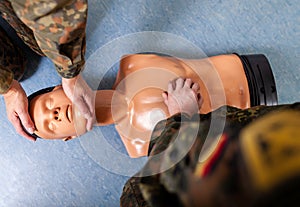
[[71, 72], [6, 78]]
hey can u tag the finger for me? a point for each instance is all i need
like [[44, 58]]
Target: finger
[[82, 107], [171, 87], [90, 101], [18, 126], [179, 83], [25, 121], [165, 97], [200, 100], [87, 112], [188, 83], [90, 124], [195, 87]]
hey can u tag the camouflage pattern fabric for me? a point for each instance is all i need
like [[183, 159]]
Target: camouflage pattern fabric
[[12, 62], [54, 28], [180, 185], [132, 196], [21, 29]]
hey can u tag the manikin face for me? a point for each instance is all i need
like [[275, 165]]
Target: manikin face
[[53, 115]]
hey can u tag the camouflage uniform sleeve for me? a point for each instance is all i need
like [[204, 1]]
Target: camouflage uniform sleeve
[[59, 29], [164, 136], [165, 128], [137, 194], [6, 78], [12, 62]]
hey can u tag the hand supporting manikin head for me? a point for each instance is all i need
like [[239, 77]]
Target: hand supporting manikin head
[[135, 104]]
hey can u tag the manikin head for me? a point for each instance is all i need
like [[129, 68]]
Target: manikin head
[[54, 115]]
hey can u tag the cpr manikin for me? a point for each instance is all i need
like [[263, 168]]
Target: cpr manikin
[[135, 104]]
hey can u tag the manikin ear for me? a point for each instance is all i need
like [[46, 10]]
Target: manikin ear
[[68, 138]]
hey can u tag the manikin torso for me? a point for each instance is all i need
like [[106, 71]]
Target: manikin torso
[[136, 104]]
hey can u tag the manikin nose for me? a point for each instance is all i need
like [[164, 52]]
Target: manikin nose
[[55, 114]]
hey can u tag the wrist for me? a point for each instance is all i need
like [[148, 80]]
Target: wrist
[[187, 115], [13, 88], [70, 80], [69, 83]]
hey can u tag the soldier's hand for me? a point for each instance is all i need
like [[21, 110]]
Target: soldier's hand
[[17, 110], [183, 96], [82, 97]]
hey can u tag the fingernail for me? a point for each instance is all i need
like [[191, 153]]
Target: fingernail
[[31, 130]]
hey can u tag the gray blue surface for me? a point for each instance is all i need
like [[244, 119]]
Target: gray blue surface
[[57, 173]]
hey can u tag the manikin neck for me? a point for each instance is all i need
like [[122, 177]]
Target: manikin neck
[[103, 107]]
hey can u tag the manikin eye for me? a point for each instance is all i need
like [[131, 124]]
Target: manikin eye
[[49, 103]]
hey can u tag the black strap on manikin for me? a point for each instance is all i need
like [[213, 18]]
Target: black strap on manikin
[[260, 78]]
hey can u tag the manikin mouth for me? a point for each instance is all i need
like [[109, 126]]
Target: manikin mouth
[[69, 113]]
